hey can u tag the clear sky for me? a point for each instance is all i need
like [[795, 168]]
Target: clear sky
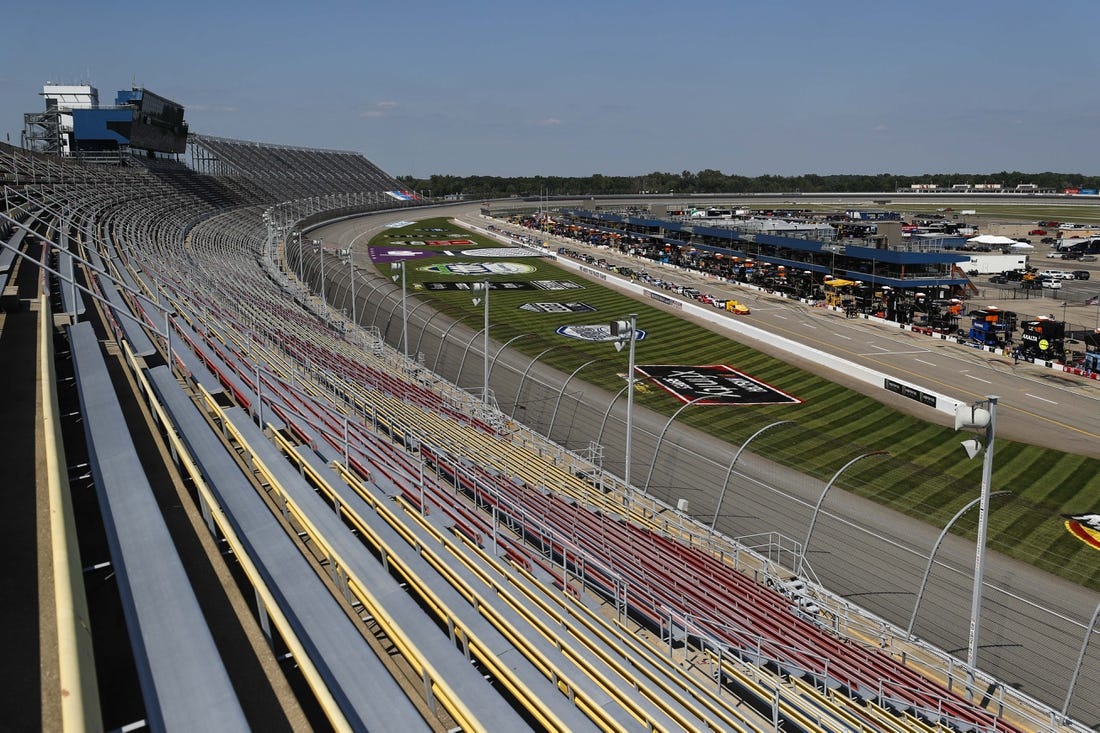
[[572, 88]]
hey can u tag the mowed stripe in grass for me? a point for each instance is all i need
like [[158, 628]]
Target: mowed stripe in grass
[[926, 476]]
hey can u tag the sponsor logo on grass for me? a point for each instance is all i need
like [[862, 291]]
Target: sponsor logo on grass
[[1085, 527], [717, 384], [500, 252], [507, 285], [597, 332], [557, 307], [556, 285], [479, 268], [470, 286], [433, 242], [387, 254]]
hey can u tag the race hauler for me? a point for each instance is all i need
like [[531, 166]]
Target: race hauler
[[1043, 338], [992, 326]]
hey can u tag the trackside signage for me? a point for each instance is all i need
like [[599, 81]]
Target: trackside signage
[[925, 398], [717, 384]]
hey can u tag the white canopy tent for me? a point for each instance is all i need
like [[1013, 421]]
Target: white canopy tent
[[993, 240]]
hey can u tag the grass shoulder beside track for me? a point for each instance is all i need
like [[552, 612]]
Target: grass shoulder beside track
[[922, 478]]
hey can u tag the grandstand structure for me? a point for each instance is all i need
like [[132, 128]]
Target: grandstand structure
[[416, 561], [284, 172]]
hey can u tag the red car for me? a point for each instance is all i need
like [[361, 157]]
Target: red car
[[1037, 232]]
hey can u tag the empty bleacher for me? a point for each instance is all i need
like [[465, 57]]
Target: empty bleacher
[[184, 682], [359, 496]]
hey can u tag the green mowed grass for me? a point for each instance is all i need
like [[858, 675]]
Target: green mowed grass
[[924, 474]]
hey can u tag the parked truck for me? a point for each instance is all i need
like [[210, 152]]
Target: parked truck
[[990, 264]]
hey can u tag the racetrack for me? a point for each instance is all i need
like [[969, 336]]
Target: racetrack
[[1032, 623]]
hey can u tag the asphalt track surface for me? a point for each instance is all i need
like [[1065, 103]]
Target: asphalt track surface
[[1032, 624]]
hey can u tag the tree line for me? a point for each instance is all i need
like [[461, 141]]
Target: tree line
[[714, 181]]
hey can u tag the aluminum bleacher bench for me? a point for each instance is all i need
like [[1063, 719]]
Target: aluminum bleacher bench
[[72, 302], [478, 626], [7, 256], [367, 695], [492, 711], [7, 253], [183, 680], [421, 630], [140, 343], [183, 350]]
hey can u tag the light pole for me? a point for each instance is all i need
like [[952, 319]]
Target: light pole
[[980, 414], [484, 286], [932, 557], [351, 262], [301, 267], [296, 236], [404, 308], [626, 331], [319, 244]]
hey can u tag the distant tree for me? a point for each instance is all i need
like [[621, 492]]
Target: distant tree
[[714, 181]]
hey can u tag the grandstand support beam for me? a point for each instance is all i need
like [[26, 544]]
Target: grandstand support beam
[[420, 304], [821, 500], [389, 319], [443, 340], [424, 326], [523, 377], [561, 393], [603, 423], [496, 356], [466, 351], [729, 471], [932, 557], [1080, 659], [661, 437], [381, 280]]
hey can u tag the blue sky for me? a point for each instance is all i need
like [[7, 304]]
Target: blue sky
[[619, 88]]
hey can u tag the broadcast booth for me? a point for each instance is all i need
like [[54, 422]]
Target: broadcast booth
[[139, 124]]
